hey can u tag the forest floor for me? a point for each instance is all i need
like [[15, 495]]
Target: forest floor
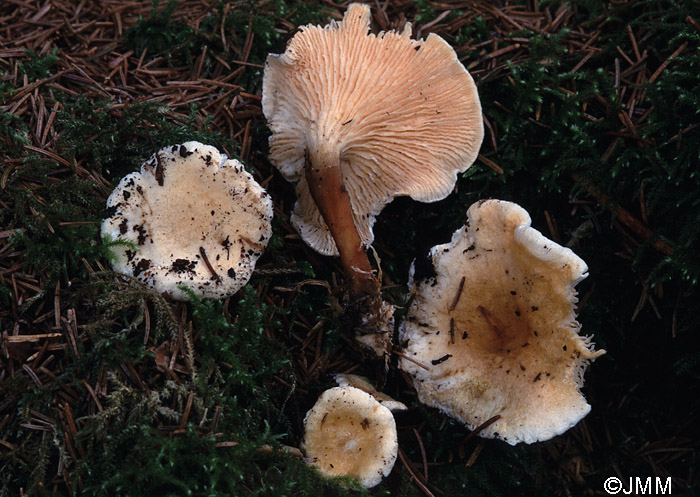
[[107, 388]]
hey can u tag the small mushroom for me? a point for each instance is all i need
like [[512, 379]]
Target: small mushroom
[[492, 328], [193, 218], [348, 433], [358, 119]]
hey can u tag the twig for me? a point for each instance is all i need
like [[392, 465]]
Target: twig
[[422, 453], [626, 218], [211, 269], [409, 359], [413, 474], [455, 300], [665, 63]]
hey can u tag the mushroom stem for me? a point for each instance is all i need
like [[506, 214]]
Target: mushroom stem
[[325, 179]]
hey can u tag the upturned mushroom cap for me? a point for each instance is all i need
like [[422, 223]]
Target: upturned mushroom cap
[[348, 433], [495, 325], [403, 115], [196, 218]]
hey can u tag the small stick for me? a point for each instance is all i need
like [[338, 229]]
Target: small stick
[[215, 419], [452, 330], [419, 364], [188, 408], [458, 295], [693, 23], [203, 253], [27, 369], [432, 23], [667, 62], [490, 163], [42, 337], [39, 355], [77, 223], [624, 55], [634, 42], [159, 170], [92, 393], [552, 227], [292, 451], [626, 218], [147, 320], [475, 454], [500, 51], [481, 427], [422, 453], [414, 475], [582, 61]]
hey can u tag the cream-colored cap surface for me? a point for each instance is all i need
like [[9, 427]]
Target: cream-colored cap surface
[[348, 433], [357, 381], [194, 217], [496, 327], [403, 115]]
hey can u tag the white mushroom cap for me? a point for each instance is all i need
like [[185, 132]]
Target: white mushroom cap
[[348, 433], [196, 218], [353, 380], [496, 327], [403, 115]]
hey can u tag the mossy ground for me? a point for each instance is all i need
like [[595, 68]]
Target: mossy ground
[[107, 388]]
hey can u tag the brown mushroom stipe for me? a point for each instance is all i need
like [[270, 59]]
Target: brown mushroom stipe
[[358, 119], [496, 325], [196, 219], [348, 433]]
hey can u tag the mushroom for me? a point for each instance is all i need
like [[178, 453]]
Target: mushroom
[[358, 119], [192, 217], [492, 331], [353, 380], [348, 433]]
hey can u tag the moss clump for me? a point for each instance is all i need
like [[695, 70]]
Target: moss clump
[[161, 34], [209, 426], [38, 66], [115, 139]]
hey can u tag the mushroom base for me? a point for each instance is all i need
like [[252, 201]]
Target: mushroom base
[[369, 322]]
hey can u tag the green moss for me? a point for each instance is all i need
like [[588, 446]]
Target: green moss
[[424, 12], [38, 66], [116, 139], [58, 220], [159, 34], [13, 132], [137, 443]]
